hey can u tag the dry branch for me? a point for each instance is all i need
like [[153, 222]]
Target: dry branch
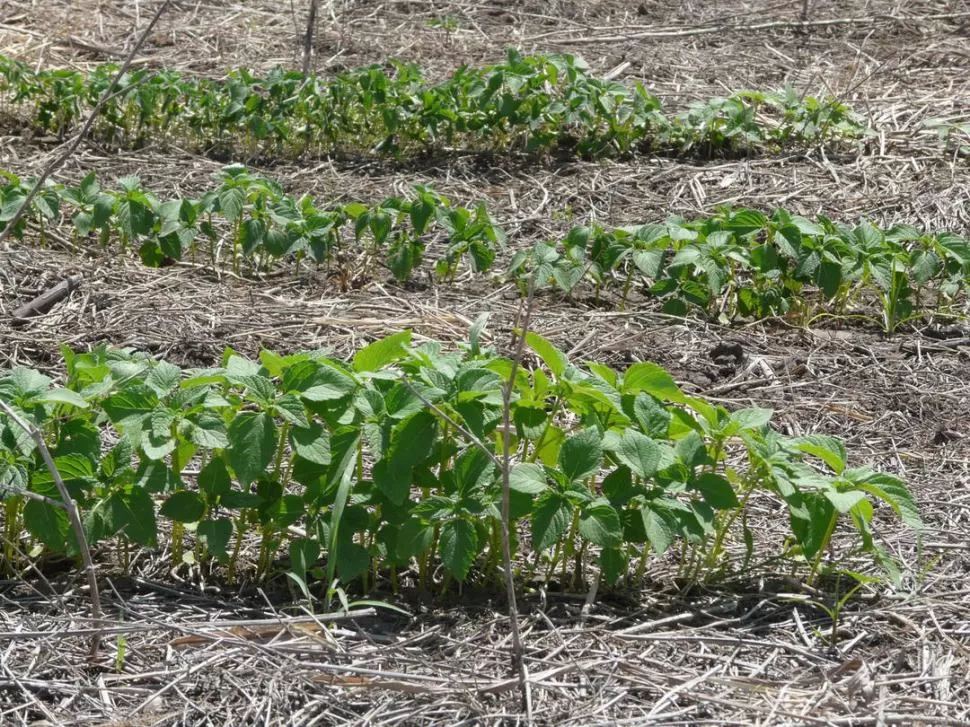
[[674, 32], [311, 24], [43, 302], [74, 518]]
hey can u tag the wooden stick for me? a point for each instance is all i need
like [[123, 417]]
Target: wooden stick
[[73, 517], [311, 24], [45, 301]]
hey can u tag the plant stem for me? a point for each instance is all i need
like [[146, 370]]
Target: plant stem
[[823, 546], [70, 507]]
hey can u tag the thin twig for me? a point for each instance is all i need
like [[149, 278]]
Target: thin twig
[[311, 24], [88, 123], [72, 515], [451, 421], [675, 32], [505, 466], [518, 660]]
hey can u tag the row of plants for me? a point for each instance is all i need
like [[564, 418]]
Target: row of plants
[[741, 262], [393, 461], [734, 263], [248, 217], [527, 103]]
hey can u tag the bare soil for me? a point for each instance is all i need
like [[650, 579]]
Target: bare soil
[[755, 648]]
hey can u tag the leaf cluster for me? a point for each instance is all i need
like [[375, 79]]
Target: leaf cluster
[[363, 467], [527, 103], [253, 218], [741, 262]]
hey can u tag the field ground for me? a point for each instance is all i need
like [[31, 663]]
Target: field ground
[[748, 650]]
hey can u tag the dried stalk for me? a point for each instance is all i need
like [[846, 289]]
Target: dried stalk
[[518, 660], [504, 464], [311, 24], [73, 517]]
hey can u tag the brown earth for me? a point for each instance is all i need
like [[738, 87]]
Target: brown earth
[[751, 649]]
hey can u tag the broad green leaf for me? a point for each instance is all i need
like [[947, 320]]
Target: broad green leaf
[[413, 439], [304, 552], [258, 388], [613, 563], [164, 377], [76, 471], [207, 431], [215, 535], [133, 513], [618, 486], [23, 383], [473, 471], [252, 444], [414, 539], [553, 358], [13, 480], [660, 527], [458, 545], [753, 418], [50, 525], [184, 507], [716, 491], [692, 451], [327, 384], [128, 409], [380, 353], [844, 501], [600, 524], [527, 478], [892, 491], [291, 409], [604, 372], [654, 380], [652, 416], [393, 482], [214, 480], [352, 559], [311, 443], [62, 396], [829, 449], [530, 420], [812, 531], [641, 454], [231, 202], [550, 520], [580, 455]]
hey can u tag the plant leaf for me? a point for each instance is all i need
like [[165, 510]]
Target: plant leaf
[[640, 453], [184, 507], [459, 546], [580, 455], [380, 353], [550, 519], [252, 444], [654, 380], [600, 524]]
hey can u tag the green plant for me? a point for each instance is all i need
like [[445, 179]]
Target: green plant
[[262, 223], [530, 103], [743, 263], [607, 464]]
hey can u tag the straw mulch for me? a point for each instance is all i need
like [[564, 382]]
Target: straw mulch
[[756, 647]]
